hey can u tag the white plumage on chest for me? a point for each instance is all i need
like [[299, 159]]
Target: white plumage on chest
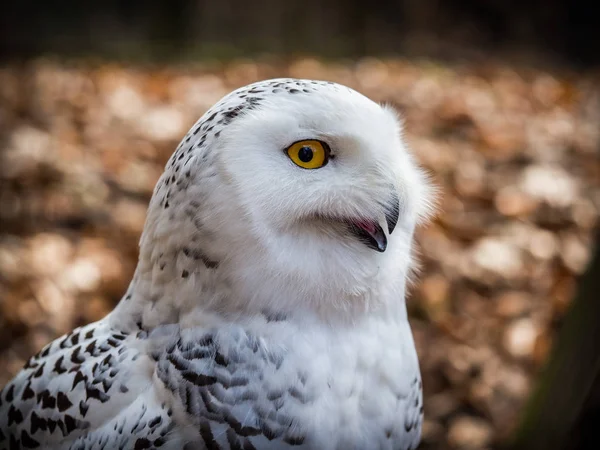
[[297, 386]]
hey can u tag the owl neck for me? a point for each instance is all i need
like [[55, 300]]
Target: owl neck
[[189, 289]]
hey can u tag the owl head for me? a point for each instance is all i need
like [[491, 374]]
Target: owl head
[[288, 195]]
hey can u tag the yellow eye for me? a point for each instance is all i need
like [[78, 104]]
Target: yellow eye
[[310, 154]]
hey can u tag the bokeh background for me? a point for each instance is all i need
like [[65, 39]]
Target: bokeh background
[[501, 101]]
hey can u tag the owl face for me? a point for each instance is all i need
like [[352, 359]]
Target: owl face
[[330, 163]]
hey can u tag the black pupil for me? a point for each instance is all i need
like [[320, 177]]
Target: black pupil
[[305, 154]]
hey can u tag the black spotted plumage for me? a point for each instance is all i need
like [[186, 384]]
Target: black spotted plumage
[[48, 401]]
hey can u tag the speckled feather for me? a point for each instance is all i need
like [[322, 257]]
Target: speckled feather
[[215, 345]]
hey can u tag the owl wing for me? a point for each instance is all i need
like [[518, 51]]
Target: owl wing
[[68, 393]]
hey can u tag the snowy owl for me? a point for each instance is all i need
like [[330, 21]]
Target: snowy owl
[[267, 310]]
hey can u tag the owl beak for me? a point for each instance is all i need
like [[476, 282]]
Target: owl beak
[[371, 232], [392, 211]]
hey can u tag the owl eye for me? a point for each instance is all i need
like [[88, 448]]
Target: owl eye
[[309, 154]]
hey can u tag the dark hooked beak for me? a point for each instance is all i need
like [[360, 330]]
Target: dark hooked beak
[[392, 211], [371, 233]]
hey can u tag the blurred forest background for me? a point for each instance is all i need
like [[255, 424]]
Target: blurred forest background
[[501, 101]]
